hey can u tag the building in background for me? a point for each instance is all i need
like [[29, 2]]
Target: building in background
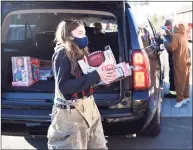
[[158, 11], [184, 14]]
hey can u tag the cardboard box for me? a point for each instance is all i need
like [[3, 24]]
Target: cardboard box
[[46, 71], [122, 69], [46, 74], [109, 62], [25, 70]]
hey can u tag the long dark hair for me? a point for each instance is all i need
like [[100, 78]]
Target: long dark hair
[[63, 36]]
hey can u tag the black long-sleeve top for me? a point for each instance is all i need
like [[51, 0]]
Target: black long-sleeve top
[[68, 84]]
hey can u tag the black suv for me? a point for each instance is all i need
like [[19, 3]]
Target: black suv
[[127, 107]]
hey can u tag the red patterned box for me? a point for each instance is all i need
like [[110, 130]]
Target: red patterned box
[[25, 70]]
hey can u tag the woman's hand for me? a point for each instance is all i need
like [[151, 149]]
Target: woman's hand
[[189, 63], [106, 76]]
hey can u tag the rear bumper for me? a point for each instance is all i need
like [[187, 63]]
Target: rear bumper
[[37, 125]]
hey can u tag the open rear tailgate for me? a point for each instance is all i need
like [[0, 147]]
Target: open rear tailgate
[[90, 5]]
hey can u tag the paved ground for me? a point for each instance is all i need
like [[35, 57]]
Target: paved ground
[[167, 106], [168, 109], [176, 133]]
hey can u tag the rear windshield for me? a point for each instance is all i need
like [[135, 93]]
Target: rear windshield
[[26, 25], [21, 26]]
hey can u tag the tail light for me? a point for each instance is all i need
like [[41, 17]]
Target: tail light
[[141, 71]]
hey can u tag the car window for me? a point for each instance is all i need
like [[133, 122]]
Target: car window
[[17, 32], [20, 27], [106, 27], [28, 25]]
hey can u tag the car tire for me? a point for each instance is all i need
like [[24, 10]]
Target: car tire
[[154, 127]]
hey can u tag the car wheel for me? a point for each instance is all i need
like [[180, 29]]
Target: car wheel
[[153, 129]]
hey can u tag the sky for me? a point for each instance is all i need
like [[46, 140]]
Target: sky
[[161, 7], [166, 9]]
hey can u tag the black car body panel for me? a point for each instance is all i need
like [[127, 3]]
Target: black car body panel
[[27, 114]]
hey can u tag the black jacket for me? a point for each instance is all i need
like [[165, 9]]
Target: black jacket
[[67, 83]]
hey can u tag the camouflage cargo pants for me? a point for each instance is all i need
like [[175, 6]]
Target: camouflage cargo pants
[[78, 128]]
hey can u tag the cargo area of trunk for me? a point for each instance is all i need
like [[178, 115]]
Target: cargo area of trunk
[[106, 95]]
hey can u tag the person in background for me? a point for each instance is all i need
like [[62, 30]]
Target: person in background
[[169, 31], [75, 119], [181, 62], [146, 37], [98, 28], [164, 59]]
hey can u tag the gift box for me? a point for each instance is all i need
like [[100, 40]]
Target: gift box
[[122, 69], [109, 62], [25, 70], [46, 74], [46, 71]]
